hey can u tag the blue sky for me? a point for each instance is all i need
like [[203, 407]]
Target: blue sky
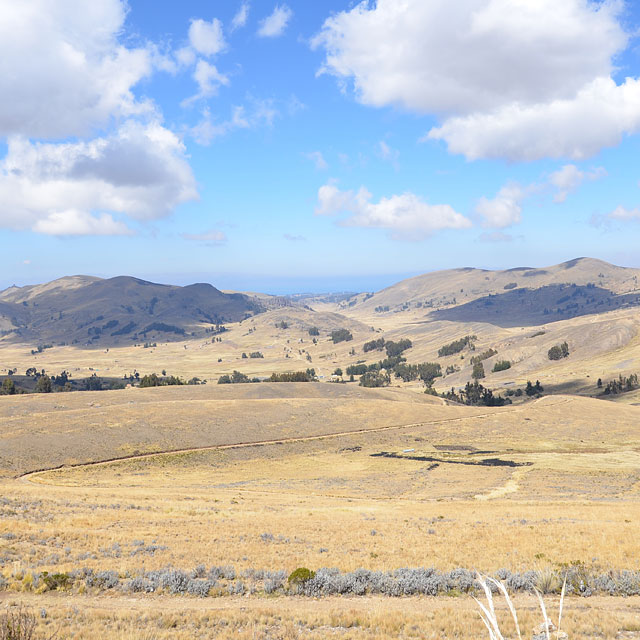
[[315, 146]]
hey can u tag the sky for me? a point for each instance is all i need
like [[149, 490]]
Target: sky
[[315, 146]]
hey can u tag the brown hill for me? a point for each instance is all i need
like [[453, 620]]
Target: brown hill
[[516, 296], [85, 310]]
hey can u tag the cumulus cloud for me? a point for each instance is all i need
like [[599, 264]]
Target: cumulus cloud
[[206, 37], [275, 24], [80, 223], [406, 216], [318, 159], [240, 19], [139, 172], [505, 209], [507, 78], [568, 178], [64, 70], [211, 238]]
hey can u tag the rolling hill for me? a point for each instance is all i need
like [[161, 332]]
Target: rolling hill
[[91, 311], [517, 296]]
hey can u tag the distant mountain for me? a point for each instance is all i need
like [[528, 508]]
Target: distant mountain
[[86, 310], [518, 296]]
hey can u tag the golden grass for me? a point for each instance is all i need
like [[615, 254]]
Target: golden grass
[[327, 501]]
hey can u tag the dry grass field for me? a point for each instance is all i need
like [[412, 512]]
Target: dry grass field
[[281, 476]]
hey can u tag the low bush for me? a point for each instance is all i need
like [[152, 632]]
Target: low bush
[[501, 365]]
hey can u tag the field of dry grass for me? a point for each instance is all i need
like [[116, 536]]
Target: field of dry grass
[[538, 486]]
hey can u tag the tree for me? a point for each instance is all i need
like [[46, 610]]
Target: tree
[[375, 379], [478, 371], [8, 387], [501, 365], [341, 335], [44, 384], [338, 372], [558, 351], [314, 331]]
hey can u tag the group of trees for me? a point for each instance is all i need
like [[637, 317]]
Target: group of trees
[[154, 380], [483, 356], [341, 335], [457, 346], [474, 394], [619, 384], [392, 348], [558, 351]]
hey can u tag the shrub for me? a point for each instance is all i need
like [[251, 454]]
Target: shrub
[[19, 624], [558, 351], [256, 354], [300, 575], [501, 365], [314, 331], [341, 335], [43, 385]]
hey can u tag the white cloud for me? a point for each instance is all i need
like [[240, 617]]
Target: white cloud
[[505, 209], [139, 172], [206, 37], [64, 72], [80, 223], [508, 78], [568, 178], [318, 159], [624, 214], [332, 201], [407, 216], [385, 152], [259, 113], [275, 24], [240, 19], [598, 116], [212, 238], [208, 79]]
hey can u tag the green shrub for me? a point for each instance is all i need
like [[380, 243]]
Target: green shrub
[[300, 575], [501, 365], [314, 331], [558, 351]]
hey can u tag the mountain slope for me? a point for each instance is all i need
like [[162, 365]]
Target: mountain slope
[[468, 293], [87, 310]]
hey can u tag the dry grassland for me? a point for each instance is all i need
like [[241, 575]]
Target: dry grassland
[[316, 494]]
